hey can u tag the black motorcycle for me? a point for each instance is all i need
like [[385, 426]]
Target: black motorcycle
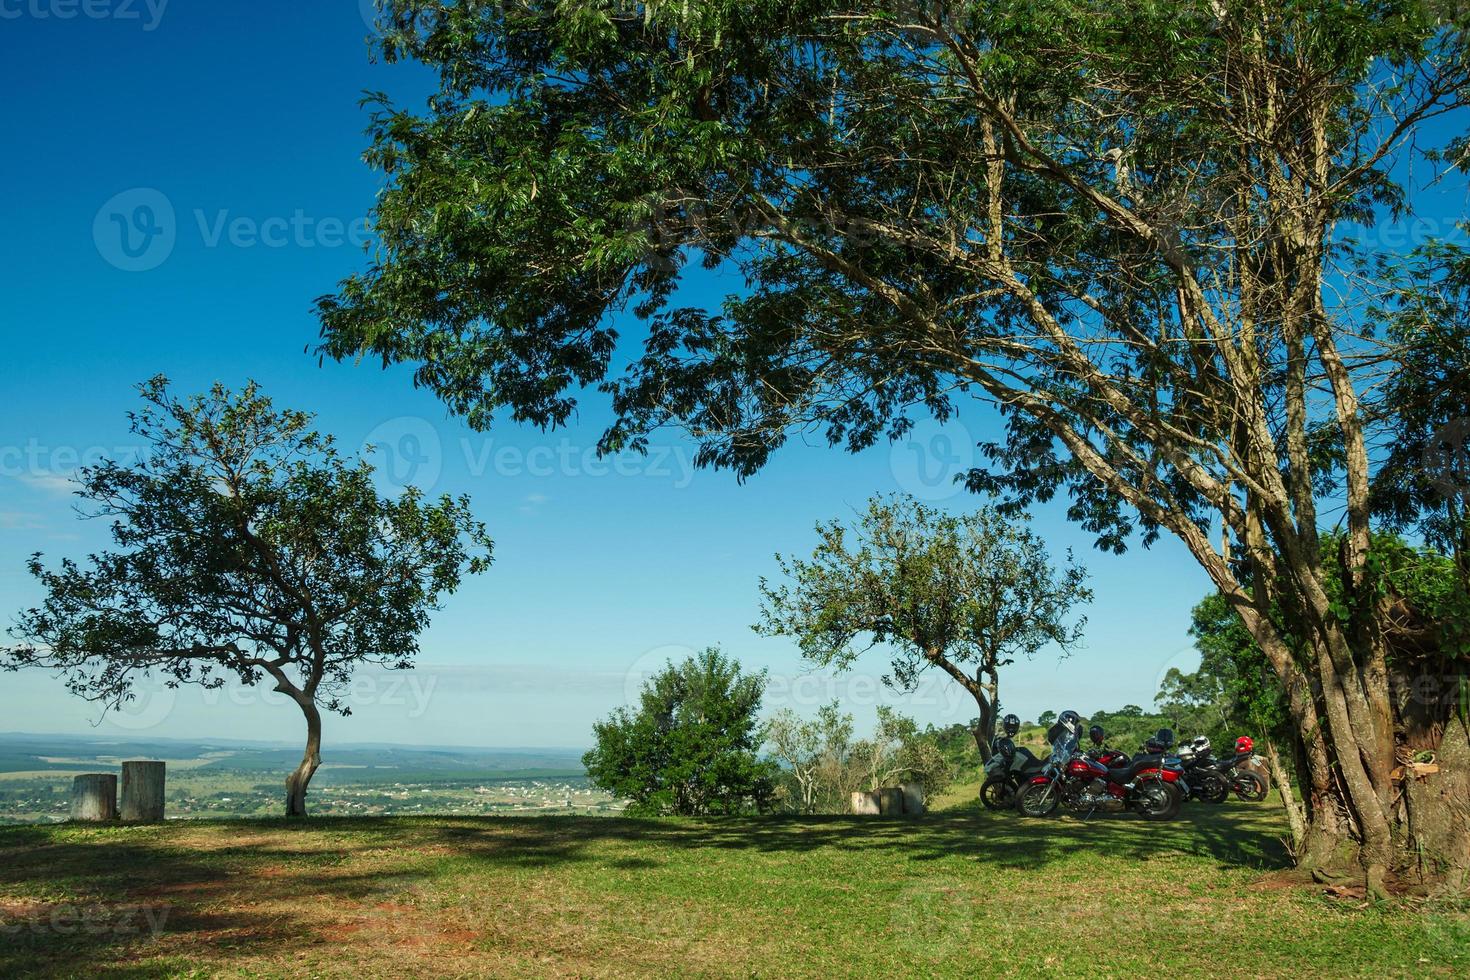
[[1247, 785], [1010, 767], [1207, 783]]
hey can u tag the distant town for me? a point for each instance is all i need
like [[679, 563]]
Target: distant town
[[218, 780]]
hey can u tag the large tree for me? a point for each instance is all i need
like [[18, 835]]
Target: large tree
[[961, 593], [1113, 221], [250, 552]]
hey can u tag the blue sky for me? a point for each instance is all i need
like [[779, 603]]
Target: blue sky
[[184, 179]]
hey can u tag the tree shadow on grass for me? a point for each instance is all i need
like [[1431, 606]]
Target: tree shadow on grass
[[1231, 836], [122, 884]]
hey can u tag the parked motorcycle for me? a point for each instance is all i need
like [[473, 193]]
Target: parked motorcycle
[[1247, 785], [1202, 773], [1010, 767], [1146, 785]]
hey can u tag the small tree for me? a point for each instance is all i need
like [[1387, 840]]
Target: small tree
[[814, 752], [964, 593], [247, 548], [827, 766], [899, 752], [690, 747]]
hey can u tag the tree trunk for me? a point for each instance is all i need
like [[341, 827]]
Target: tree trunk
[[1437, 814], [985, 727], [1294, 817], [311, 760], [142, 791]]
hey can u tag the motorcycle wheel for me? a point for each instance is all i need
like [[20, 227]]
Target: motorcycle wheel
[[998, 794], [1250, 787], [1039, 800], [1211, 789], [1158, 801]]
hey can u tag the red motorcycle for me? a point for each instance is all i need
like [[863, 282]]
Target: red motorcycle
[[1149, 785]]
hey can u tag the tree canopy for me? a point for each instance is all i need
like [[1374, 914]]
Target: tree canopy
[[691, 744], [1113, 222], [963, 593], [247, 551]]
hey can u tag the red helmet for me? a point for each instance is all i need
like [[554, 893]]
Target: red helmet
[[1245, 744]]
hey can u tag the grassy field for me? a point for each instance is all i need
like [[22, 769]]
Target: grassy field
[[959, 893]]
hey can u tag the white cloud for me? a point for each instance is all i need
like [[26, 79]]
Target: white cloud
[[20, 521], [49, 483]]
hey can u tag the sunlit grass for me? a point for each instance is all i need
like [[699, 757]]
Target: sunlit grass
[[961, 893]]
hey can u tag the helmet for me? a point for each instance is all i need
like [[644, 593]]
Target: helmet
[[1010, 724], [1245, 744], [1097, 734], [1165, 737], [1153, 746], [1070, 720], [1200, 744]]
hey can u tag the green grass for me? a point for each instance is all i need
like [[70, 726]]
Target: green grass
[[960, 893]]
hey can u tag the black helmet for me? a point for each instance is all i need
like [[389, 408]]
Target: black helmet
[[1010, 724], [1071, 720], [1097, 734], [1165, 737]]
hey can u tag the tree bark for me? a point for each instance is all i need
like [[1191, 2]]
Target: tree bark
[[311, 760], [1294, 817]]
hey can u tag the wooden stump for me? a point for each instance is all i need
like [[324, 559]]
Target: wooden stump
[[890, 801], [865, 804], [94, 797], [913, 799], [142, 791]]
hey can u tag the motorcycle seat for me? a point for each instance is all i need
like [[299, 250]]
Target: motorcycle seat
[[1125, 773]]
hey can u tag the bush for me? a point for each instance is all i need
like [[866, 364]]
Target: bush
[[690, 747]]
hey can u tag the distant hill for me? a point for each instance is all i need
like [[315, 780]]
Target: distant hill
[[358, 763]]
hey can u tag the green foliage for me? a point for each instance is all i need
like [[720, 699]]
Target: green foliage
[[1424, 406], [966, 593], [246, 548], [1127, 729], [691, 745], [824, 765]]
